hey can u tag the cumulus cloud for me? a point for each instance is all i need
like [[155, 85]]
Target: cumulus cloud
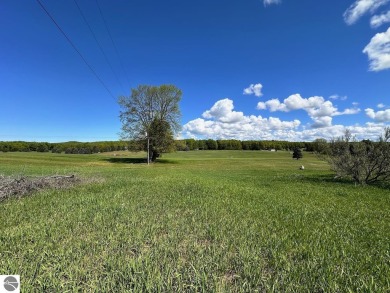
[[272, 105], [378, 51], [221, 121], [223, 111], [259, 128], [217, 123], [322, 121], [252, 127], [254, 89], [378, 20], [367, 131], [361, 7], [380, 106], [270, 2], [380, 116], [319, 110]]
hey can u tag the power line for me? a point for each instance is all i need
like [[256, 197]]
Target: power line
[[99, 45], [113, 43], [75, 48]]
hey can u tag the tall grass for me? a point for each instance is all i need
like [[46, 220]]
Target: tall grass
[[206, 221]]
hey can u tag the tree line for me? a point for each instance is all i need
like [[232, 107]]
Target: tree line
[[233, 144], [71, 147], [74, 147]]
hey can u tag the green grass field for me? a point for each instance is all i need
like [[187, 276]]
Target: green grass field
[[201, 221]]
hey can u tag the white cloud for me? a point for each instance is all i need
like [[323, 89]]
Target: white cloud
[[378, 51], [296, 102], [367, 131], [349, 111], [322, 110], [254, 89], [378, 20], [272, 105], [223, 111], [315, 106], [269, 2], [361, 7], [319, 110], [337, 97], [380, 116], [321, 121], [253, 127], [262, 106], [380, 106], [259, 128], [217, 124], [221, 121]]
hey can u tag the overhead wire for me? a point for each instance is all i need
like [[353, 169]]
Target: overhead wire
[[75, 48], [99, 45], [113, 43]]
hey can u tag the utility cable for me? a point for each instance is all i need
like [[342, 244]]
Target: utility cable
[[99, 45], [113, 43], [75, 48]]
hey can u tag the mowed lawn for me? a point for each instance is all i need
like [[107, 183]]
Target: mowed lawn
[[200, 221]]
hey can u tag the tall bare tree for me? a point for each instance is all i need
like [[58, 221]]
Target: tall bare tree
[[363, 161]]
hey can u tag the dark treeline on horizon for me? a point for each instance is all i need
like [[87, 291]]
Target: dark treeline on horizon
[[70, 147], [74, 147], [233, 144]]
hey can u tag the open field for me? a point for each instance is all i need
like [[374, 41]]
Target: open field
[[201, 221]]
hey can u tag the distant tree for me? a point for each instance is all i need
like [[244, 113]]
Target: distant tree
[[146, 107], [364, 162], [211, 144], [202, 144], [43, 147], [180, 145], [297, 153], [191, 144], [320, 146]]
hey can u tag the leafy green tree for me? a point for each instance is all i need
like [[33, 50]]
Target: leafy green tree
[[191, 144], [43, 147], [160, 139], [320, 146], [297, 153], [211, 144], [151, 112]]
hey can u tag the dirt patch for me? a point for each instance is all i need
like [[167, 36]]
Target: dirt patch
[[230, 277], [23, 185]]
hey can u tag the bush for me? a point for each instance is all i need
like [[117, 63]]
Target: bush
[[364, 162]]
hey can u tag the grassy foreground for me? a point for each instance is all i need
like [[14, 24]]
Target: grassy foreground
[[206, 221]]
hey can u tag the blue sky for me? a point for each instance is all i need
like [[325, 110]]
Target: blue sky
[[290, 70]]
